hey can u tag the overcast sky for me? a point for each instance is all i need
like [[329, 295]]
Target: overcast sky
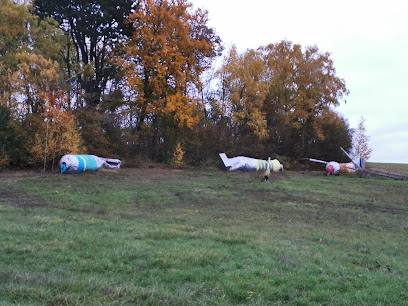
[[368, 42]]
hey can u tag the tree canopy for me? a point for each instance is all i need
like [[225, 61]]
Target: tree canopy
[[280, 95], [95, 28], [126, 79], [170, 47]]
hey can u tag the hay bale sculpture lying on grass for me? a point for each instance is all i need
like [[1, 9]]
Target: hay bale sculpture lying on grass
[[81, 163], [333, 168], [242, 163]]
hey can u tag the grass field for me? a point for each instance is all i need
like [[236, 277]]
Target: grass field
[[396, 168], [201, 237]]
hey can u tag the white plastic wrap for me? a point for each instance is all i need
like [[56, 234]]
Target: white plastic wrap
[[242, 163], [81, 163]]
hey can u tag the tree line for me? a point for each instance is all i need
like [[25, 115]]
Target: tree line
[[136, 79]]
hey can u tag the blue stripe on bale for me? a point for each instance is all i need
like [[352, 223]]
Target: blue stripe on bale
[[90, 162], [81, 164]]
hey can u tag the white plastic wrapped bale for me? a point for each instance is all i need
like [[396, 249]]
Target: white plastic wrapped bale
[[332, 168], [243, 163], [81, 163]]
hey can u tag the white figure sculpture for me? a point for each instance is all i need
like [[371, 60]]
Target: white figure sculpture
[[243, 163]]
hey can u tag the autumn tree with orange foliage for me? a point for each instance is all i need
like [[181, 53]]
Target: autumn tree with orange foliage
[[50, 128], [170, 48], [280, 98], [30, 89], [302, 85]]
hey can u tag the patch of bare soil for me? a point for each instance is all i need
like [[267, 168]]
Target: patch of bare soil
[[19, 198]]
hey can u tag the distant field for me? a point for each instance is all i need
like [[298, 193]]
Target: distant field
[[397, 168], [201, 237]]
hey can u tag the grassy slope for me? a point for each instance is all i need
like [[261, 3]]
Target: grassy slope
[[152, 236], [396, 168]]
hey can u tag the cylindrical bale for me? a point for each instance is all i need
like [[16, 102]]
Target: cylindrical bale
[[78, 163]]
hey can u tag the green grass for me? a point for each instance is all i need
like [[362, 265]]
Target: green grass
[[157, 237]]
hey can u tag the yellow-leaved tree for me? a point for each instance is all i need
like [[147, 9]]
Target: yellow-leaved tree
[[56, 136], [30, 89], [245, 86], [302, 86], [13, 33], [178, 154], [50, 127], [170, 48]]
